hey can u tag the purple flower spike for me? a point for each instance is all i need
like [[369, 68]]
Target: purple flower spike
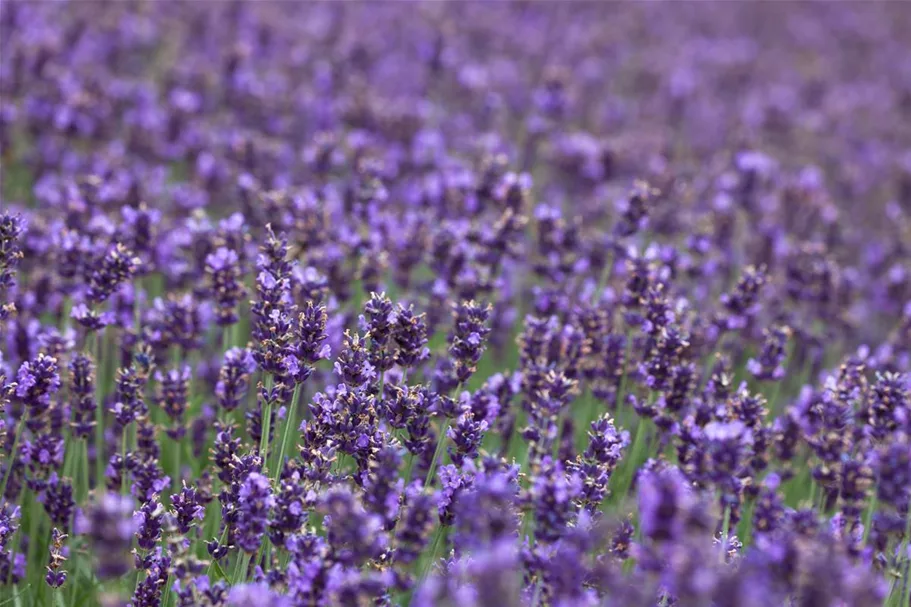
[[109, 525], [255, 503]]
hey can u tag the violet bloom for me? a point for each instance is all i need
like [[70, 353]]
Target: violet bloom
[[352, 365], [58, 501], [769, 364], [856, 480], [148, 591], [187, 508], [410, 337], [666, 504], [36, 381], [769, 510], [129, 404], [382, 485], [255, 503], [658, 314], [146, 439], [9, 524], [82, 393], [317, 450], [234, 378], [634, 209], [223, 269], [177, 321], [149, 480], [11, 229], [191, 591], [173, 391], [139, 226], [351, 586], [622, 540], [741, 303], [148, 520], [487, 513], [727, 445], [308, 344], [271, 351], [640, 273], [91, 320], [889, 404], [893, 470], [486, 577], [811, 274], [670, 349], [273, 284], [43, 452], [225, 449], [56, 575], [256, 595], [109, 526], [417, 522], [552, 494], [117, 265], [293, 501], [379, 320], [355, 535], [682, 384], [468, 338], [601, 457], [466, 436]]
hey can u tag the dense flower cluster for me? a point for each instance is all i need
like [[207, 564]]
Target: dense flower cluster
[[312, 304]]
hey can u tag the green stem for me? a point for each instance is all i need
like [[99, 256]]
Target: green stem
[[868, 515], [240, 568], [561, 419], [290, 420], [441, 441], [220, 571], [178, 448], [633, 462], [123, 460], [605, 276], [536, 594], [17, 595], [74, 572], [438, 452], [432, 555], [138, 576], [523, 462], [266, 421], [208, 527], [527, 531], [409, 467], [12, 459], [906, 568], [34, 514], [99, 416], [166, 598], [84, 472], [725, 528], [214, 563], [15, 541], [264, 554], [621, 389]]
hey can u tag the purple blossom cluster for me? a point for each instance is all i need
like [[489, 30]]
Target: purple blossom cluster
[[312, 304]]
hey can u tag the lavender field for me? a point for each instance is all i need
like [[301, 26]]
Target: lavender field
[[545, 304]]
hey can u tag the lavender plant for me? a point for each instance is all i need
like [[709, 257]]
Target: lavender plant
[[430, 304]]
